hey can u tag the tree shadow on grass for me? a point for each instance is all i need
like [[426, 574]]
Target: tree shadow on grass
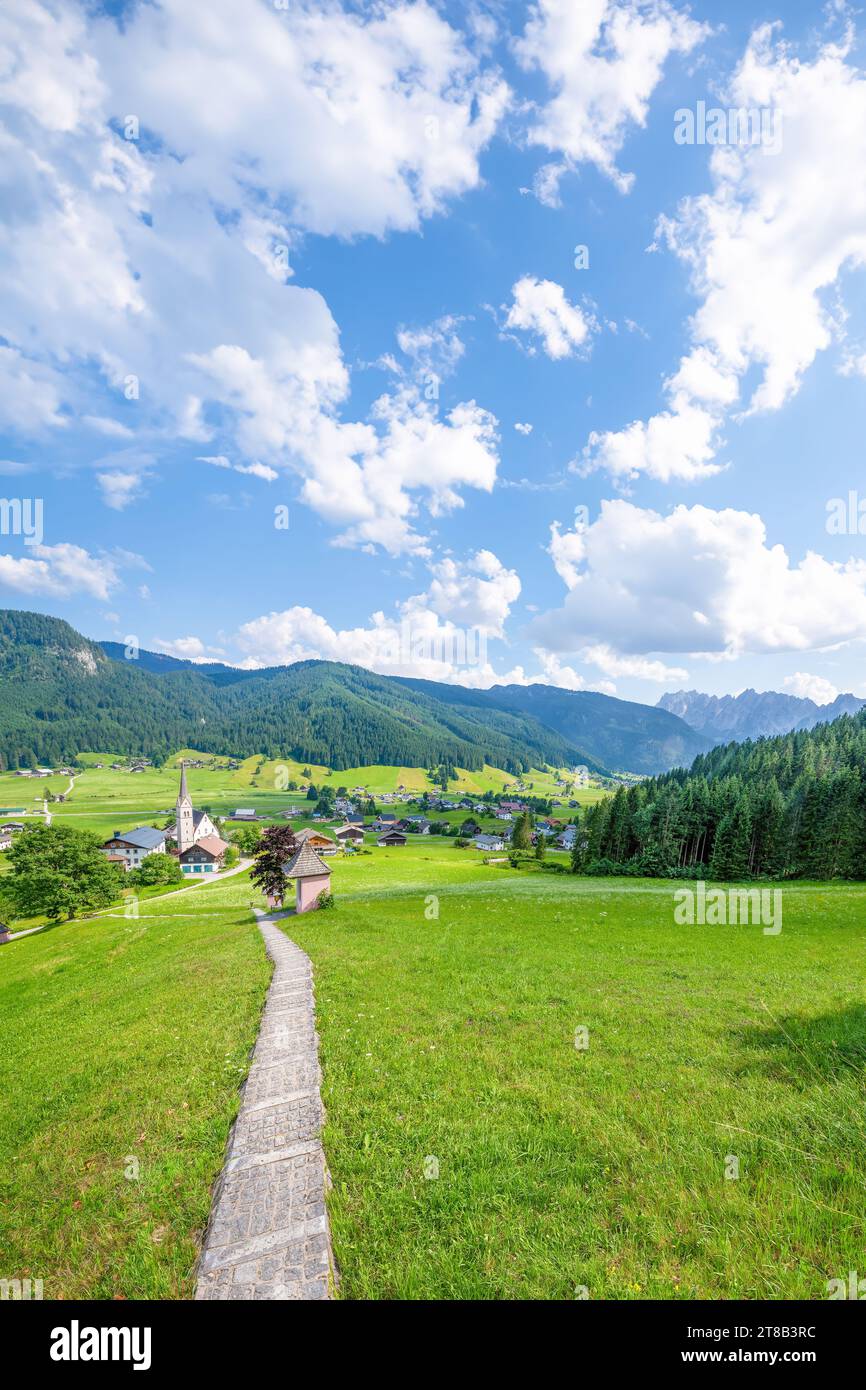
[[792, 1048]]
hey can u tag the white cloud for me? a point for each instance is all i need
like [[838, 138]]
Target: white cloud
[[440, 634], [808, 687], [120, 489], [186, 648], [30, 393], [355, 123], [166, 289], [59, 571], [522, 427], [540, 307], [763, 249], [103, 425], [638, 667], [695, 581], [436, 348], [602, 60]]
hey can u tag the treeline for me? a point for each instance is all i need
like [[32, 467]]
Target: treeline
[[786, 807]]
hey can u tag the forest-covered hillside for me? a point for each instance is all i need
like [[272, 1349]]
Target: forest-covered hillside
[[792, 806], [61, 694]]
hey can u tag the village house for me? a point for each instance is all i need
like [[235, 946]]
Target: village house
[[322, 844], [349, 835], [5, 840], [488, 842], [391, 839], [130, 847], [204, 856], [418, 825]]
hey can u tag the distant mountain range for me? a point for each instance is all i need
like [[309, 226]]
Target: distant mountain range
[[61, 694], [753, 714], [623, 735]]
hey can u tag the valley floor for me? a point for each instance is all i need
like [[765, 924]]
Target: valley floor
[[476, 1151]]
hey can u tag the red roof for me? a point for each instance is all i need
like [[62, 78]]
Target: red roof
[[211, 844]]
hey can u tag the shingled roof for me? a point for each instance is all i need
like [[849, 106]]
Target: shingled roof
[[305, 863]]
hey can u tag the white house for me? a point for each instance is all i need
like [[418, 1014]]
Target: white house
[[130, 847]]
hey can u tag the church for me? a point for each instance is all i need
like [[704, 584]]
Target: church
[[200, 850], [189, 825]]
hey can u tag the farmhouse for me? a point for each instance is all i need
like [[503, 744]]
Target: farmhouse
[[349, 835], [391, 839], [488, 842], [130, 847], [189, 825], [204, 856], [316, 840]]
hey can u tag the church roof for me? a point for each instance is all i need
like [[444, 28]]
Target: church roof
[[183, 791], [305, 863], [197, 818]]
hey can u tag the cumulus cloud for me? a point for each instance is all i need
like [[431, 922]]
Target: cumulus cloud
[[602, 60], [763, 247], [119, 489], [540, 308], [188, 649], [809, 687], [440, 634], [695, 581], [388, 111], [59, 571], [434, 349], [172, 291]]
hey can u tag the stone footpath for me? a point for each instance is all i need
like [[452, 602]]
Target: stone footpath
[[268, 1235]]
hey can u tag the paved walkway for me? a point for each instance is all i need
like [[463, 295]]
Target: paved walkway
[[268, 1235]]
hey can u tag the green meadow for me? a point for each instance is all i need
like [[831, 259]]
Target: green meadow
[[450, 996], [104, 800]]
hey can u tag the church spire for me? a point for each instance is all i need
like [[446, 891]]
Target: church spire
[[184, 819]]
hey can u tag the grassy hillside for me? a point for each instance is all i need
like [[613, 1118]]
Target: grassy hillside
[[123, 1040], [454, 1038]]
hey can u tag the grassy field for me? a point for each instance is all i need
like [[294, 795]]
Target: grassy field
[[449, 993], [124, 1042], [104, 800], [454, 1038]]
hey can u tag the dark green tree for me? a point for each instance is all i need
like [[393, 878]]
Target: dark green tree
[[58, 871]]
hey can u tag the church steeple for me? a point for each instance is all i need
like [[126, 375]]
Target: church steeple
[[185, 824]]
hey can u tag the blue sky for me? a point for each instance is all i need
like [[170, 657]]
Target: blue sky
[[316, 262]]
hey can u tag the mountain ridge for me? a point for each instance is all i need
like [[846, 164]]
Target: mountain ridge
[[753, 714]]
